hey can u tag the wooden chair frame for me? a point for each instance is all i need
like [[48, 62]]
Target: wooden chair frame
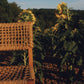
[[17, 36]]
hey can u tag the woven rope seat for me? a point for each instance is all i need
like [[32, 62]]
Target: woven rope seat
[[14, 73], [17, 36]]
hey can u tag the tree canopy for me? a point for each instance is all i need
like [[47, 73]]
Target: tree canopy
[[8, 11]]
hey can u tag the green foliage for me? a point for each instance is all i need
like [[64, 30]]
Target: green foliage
[[45, 17], [13, 12], [66, 37], [8, 11], [13, 58], [66, 44], [37, 64], [80, 13], [39, 54], [19, 58], [40, 75]]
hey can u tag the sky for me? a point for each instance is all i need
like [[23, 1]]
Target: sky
[[46, 4]]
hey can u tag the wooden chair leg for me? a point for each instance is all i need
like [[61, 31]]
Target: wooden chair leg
[[30, 52]]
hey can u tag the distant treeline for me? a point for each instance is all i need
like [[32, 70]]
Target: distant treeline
[[46, 17], [80, 13], [9, 11]]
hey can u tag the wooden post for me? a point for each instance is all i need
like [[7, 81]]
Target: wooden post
[[30, 45], [30, 52]]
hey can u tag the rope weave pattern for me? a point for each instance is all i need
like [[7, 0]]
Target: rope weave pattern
[[15, 36]]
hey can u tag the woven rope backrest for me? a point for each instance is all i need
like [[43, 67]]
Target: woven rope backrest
[[15, 36]]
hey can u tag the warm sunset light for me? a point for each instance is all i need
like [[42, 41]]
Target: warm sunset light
[[41, 42]]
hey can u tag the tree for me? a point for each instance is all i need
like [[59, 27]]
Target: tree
[[13, 12], [8, 11], [3, 11]]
